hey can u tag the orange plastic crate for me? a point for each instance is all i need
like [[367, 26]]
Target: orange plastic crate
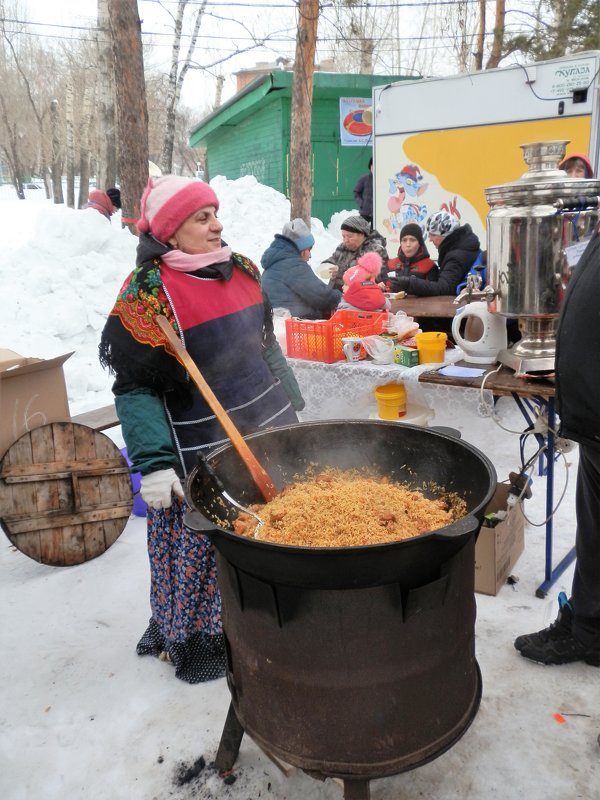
[[322, 340]]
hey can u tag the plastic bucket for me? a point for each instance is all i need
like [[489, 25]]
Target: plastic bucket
[[431, 347], [391, 400]]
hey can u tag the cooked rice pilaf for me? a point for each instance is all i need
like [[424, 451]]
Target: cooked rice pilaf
[[341, 509]]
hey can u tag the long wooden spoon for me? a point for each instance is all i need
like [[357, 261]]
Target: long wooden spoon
[[259, 475]]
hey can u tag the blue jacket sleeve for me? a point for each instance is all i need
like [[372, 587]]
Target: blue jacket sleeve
[[311, 289]]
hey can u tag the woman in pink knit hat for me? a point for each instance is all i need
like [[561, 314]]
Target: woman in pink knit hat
[[213, 299]]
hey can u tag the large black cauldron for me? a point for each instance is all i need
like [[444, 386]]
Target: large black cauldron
[[357, 662]]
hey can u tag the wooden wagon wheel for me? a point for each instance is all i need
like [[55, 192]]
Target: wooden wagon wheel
[[65, 493]]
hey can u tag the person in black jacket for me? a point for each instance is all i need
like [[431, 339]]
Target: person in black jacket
[[288, 280], [363, 194], [457, 246], [575, 634]]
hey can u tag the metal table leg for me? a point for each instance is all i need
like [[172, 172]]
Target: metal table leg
[[551, 575], [546, 466]]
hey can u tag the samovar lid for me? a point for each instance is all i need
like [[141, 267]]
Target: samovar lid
[[544, 181]]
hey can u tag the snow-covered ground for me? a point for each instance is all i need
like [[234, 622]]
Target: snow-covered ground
[[81, 716]]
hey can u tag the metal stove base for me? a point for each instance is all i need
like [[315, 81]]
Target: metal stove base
[[523, 365], [229, 747]]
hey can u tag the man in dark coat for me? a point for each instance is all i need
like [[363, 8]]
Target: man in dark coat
[[575, 635], [288, 280], [457, 246], [363, 194]]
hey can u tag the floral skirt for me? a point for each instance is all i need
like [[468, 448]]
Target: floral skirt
[[184, 598]]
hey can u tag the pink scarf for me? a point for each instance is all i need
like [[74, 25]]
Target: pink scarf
[[190, 262]]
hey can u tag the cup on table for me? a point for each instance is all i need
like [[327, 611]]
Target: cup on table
[[352, 348]]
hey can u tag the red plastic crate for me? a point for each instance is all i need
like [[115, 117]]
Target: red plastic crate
[[322, 340]]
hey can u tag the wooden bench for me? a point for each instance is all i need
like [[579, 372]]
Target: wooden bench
[[99, 418]]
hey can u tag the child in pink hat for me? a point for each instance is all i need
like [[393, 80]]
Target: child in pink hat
[[361, 292]]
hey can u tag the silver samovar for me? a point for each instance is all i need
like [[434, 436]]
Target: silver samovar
[[537, 228]]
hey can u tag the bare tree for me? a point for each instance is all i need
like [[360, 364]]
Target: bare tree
[[359, 29], [498, 41], [302, 90], [132, 111], [219, 90], [56, 163], [84, 138], [177, 75], [106, 173], [10, 149], [35, 99], [478, 54], [70, 140]]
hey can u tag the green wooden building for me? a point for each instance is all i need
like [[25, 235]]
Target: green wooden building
[[250, 135]]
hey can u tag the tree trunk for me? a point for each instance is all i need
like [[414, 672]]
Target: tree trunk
[[57, 192], [478, 55], [301, 118], [85, 128], [177, 75], [132, 111], [70, 142], [166, 156], [11, 153], [106, 174], [496, 53], [367, 48]]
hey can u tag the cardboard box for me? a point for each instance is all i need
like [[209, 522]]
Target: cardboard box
[[498, 548], [406, 356], [32, 393]]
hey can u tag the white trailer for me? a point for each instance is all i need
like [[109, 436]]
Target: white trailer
[[440, 142]]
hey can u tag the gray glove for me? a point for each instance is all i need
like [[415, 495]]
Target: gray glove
[[157, 488]]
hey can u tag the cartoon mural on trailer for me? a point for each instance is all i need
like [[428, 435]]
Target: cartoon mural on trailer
[[405, 187]]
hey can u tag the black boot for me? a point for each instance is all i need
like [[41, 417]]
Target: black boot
[[557, 644]]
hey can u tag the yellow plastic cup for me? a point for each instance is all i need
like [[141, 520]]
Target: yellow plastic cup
[[431, 347], [391, 400]]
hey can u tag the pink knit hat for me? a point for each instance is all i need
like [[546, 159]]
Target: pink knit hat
[[169, 200], [367, 266], [101, 202]]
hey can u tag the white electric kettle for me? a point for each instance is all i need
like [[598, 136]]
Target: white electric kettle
[[480, 334]]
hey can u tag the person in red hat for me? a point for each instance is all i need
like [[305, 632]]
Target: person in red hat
[[213, 299], [577, 165], [361, 290], [101, 202]]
